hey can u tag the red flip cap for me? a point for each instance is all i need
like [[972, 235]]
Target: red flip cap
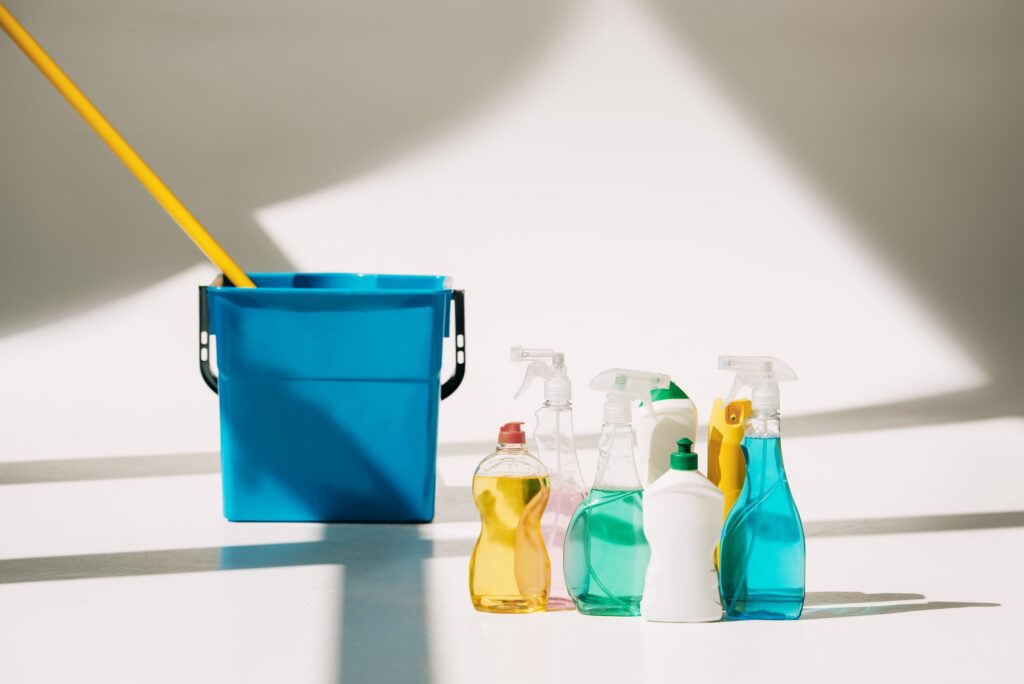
[[512, 433]]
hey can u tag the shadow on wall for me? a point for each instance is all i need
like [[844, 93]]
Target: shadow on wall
[[236, 105], [909, 117]]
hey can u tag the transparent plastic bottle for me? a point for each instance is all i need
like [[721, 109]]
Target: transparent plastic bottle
[[606, 552], [763, 551], [555, 444], [556, 448], [509, 571]]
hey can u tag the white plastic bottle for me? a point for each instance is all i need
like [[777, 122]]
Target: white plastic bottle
[[682, 523], [671, 417]]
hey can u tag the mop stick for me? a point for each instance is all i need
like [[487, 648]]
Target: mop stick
[[161, 193]]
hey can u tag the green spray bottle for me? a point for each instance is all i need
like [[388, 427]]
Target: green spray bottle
[[606, 552]]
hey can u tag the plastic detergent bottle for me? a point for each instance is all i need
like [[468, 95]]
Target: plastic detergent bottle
[[509, 571], [762, 548], [682, 521], [606, 551], [726, 465], [556, 447], [674, 417]]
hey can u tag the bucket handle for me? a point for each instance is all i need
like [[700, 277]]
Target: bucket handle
[[447, 389], [204, 341], [452, 383]]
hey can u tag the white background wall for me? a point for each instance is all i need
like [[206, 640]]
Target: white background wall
[[610, 180]]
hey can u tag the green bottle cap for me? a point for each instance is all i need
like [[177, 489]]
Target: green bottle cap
[[683, 458], [671, 392]]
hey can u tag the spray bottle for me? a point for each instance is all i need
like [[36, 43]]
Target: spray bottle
[[606, 552], [556, 447], [726, 467], [762, 551], [673, 416]]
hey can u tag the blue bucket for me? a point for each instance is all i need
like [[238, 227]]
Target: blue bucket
[[329, 387]]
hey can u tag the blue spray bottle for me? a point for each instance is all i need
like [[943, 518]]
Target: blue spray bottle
[[762, 549]]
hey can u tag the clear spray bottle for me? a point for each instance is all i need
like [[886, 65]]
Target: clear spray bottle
[[606, 552], [762, 551], [556, 448]]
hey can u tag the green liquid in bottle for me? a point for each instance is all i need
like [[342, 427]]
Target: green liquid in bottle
[[606, 553]]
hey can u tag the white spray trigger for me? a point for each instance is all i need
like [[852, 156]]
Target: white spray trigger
[[737, 385], [622, 386], [548, 364], [760, 373], [649, 405], [535, 369]]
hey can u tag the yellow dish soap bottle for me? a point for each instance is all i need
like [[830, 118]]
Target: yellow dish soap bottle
[[509, 571]]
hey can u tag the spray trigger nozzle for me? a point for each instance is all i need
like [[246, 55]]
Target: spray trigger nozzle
[[557, 386], [762, 374], [535, 369], [623, 386]]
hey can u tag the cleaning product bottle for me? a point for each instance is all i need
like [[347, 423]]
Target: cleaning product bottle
[[674, 417], [606, 552], [726, 467], [762, 548], [556, 447], [682, 522], [509, 571]]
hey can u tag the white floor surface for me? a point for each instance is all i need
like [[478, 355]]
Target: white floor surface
[[123, 574]]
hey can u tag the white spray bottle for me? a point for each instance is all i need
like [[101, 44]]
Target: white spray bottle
[[556, 448], [672, 416]]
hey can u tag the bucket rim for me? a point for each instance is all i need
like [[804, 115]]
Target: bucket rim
[[441, 284]]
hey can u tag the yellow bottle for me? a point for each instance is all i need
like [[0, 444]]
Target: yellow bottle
[[726, 466], [509, 571]]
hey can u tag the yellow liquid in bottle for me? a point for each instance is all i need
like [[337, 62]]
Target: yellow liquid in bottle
[[509, 571]]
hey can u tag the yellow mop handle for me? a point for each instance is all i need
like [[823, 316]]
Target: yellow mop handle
[[161, 193]]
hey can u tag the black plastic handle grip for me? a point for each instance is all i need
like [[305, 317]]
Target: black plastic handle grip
[[452, 383]]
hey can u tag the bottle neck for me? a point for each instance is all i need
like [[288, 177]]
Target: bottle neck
[[556, 443], [510, 448], [616, 468], [763, 424], [557, 405], [763, 456]]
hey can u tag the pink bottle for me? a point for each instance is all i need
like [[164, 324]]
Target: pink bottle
[[556, 448]]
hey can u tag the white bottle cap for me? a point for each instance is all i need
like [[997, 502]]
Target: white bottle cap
[[765, 397], [617, 411]]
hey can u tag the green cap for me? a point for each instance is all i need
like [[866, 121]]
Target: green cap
[[683, 458], [671, 392]]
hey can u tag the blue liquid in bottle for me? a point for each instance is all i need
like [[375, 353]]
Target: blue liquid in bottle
[[762, 547]]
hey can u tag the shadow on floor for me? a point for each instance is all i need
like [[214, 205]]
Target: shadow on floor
[[346, 543], [382, 633], [833, 598], [108, 468], [833, 604], [341, 544], [914, 524], [455, 504]]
